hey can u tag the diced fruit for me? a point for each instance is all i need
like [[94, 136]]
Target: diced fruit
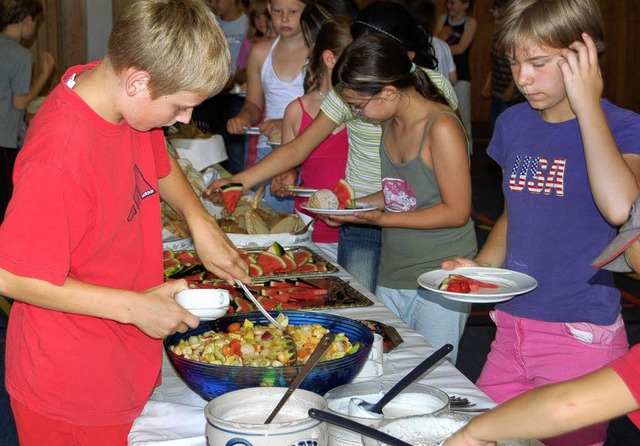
[[230, 195], [346, 195]]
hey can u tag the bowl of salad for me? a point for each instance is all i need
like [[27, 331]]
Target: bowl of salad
[[243, 350]]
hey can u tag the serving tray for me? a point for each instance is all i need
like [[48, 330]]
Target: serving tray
[[184, 264]]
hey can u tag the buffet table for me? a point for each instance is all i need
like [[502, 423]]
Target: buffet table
[[175, 416]]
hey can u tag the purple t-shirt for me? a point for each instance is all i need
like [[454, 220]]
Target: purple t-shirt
[[555, 229]]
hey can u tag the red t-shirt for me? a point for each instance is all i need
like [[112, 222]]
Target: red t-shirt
[[628, 367], [85, 206]]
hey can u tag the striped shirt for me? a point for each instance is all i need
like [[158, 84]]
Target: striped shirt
[[363, 162]]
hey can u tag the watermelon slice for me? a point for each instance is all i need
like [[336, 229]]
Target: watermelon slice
[[302, 257], [346, 195], [461, 284], [270, 263], [255, 270], [230, 195], [276, 248]]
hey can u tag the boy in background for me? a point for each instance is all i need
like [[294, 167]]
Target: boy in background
[[19, 21], [81, 244]]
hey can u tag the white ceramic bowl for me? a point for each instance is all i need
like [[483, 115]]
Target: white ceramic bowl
[[207, 304], [432, 430], [237, 418], [416, 399]]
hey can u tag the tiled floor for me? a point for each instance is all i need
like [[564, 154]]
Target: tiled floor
[[487, 203]]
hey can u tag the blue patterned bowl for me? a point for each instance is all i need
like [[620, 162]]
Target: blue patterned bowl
[[212, 380]]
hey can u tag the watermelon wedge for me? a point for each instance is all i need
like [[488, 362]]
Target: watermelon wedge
[[270, 263], [346, 195], [457, 283], [230, 195]]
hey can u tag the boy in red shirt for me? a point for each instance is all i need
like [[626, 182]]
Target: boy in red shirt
[[81, 246]]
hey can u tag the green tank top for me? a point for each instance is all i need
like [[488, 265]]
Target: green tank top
[[407, 253]]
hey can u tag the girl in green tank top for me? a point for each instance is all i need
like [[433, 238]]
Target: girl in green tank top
[[425, 203]]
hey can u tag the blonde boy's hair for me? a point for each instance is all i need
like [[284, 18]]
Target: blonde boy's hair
[[178, 42], [552, 23]]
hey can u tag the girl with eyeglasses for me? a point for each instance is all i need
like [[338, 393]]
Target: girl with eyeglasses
[[424, 203]]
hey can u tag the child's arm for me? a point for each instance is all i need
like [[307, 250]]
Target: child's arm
[[467, 37], [48, 64], [440, 30], [214, 248], [254, 102], [284, 158], [154, 311], [551, 410], [613, 177], [447, 155]]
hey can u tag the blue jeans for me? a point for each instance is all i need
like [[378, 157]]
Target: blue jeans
[[440, 321], [280, 204], [359, 252]]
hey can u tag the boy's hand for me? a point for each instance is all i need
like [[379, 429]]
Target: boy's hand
[[217, 253], [462, 438], [582, 75], [157, 313]]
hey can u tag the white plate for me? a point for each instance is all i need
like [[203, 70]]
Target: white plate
[[361, 206], [511, 283], [275, 144], [251, 131], [301, 191]]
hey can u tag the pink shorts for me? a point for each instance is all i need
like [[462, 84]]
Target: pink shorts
[[35, 429], [527, 354]]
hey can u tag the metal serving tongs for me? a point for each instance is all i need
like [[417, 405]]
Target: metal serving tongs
[[292, 351]]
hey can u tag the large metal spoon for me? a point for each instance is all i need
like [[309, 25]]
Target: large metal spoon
[[413, 375], [354, 426], [322, 347], [292, 350]]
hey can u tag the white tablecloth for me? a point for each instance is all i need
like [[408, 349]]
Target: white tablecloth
[[175, 416]]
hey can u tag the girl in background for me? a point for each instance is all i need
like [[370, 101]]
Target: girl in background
[[259, 29], [326, 165], [275, 75], [458, 29], [424, 204]]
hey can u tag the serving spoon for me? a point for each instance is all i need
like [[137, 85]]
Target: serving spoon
[[292, 350], [315, 356], [375, 410]]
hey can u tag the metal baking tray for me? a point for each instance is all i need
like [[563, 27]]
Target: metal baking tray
[[341, 293], [190, 268]]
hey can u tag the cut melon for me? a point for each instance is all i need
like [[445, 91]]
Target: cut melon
[[271, 263], [255, 270], [230, 195], [276, 248], [302, 257], [346, 195]]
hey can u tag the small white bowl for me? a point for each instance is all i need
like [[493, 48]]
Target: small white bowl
[[207, 304]]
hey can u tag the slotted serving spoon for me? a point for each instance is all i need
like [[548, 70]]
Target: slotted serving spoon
[[292, 351], [317, 353], [414, 374]]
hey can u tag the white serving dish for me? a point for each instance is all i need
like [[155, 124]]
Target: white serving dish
[[237, 418], [207, 304], [201, 152]]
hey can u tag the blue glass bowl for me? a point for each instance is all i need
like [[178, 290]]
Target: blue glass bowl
[[212, 380]]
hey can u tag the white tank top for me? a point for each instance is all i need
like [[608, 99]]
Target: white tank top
[[277, 93]]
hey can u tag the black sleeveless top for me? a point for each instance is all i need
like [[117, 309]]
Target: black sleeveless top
[[461, 60]]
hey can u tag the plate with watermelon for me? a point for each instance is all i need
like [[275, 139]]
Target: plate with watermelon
[[477, 284]]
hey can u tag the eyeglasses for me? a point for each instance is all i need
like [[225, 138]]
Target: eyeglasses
[[358, 111]]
